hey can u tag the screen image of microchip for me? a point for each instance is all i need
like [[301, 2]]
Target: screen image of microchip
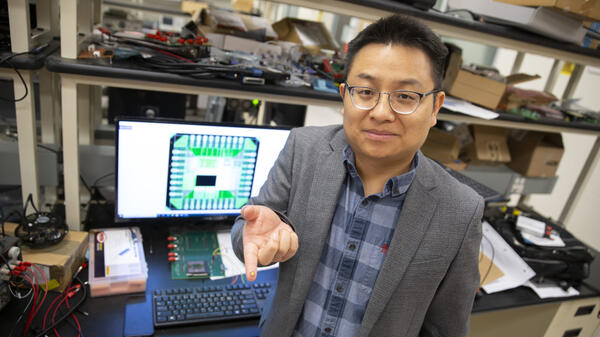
[[196, 268]]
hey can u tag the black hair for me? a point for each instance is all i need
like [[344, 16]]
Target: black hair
[[405, 31]]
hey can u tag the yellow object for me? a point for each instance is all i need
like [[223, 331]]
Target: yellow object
[[567, 68]]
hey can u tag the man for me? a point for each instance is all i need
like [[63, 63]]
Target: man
[[374, 239]]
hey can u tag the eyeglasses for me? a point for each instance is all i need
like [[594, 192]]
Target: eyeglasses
[[403, 102]]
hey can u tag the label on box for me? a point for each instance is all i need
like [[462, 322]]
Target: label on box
[[115, 253]]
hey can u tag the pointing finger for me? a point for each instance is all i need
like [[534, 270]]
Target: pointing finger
[[250, 260]]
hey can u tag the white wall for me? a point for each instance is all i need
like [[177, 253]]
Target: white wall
[[583, 223]]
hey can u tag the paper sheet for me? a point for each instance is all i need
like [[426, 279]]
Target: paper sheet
[[120, 253], [516, 271], [458, 105], [233, 266], [551, 290], [553, 241]]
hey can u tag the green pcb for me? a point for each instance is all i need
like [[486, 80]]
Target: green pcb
[[197, 255]]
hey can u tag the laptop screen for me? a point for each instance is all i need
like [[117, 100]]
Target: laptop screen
[[180, 169]]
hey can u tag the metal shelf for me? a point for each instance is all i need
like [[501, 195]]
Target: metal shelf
[[445, 25]]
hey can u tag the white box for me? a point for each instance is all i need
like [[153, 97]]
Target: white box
[[234, 43], [126, 272]]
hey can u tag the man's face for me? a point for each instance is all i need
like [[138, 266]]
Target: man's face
[[381, 135]]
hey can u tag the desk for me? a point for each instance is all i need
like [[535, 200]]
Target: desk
[[107, 314], [28, 65], [506, 311]]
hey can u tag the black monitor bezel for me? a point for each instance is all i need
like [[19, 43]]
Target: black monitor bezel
[[186, 219]]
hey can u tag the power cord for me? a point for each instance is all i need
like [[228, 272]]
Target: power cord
[[487, 273], [7, 59]]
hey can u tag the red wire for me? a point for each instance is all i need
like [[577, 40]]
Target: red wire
[[70, 291], [35, 294], [45, 290], [65, 294], [74, 317], [48, 311]]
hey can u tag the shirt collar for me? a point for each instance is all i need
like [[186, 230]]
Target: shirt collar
[[395, 186]]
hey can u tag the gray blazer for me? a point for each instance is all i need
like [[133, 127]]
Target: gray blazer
[[428, 281]]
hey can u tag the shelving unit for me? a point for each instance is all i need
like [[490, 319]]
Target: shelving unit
[[75, 72], [25, 39]]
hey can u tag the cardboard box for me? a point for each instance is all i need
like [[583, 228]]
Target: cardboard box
[[489, 145], [488, 271], [535, 154], [58, 262], [310, 34], [481, 90], [441, 146], [584, 9], [475, 88]]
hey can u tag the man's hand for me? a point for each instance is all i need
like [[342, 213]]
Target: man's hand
[[266, 239]]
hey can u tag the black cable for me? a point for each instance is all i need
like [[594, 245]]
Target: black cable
[[29, 200], [69, 312], [39, 145], [85, 184], [491, 261], [7, 60], [20, 317], [4, 219], [102, 177]]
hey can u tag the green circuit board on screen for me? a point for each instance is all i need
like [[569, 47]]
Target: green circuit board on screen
[[210, 172], [195, 258]]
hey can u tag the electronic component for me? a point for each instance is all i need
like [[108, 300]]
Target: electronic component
[[11, 255], [41, 229], [197, 269], [196, 255]]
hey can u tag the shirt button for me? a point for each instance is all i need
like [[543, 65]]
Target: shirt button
[[328, 330], [352, 247], [339, 288]]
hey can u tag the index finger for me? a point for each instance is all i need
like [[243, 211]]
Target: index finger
[[250, 260]]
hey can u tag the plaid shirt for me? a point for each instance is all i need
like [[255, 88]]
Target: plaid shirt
[[361, 232]]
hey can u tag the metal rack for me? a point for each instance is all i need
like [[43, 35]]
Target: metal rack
[[371, 9]]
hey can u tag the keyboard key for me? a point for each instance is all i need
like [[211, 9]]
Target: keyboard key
[[205, 315]]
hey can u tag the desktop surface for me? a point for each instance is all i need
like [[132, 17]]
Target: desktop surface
[[107, 314]]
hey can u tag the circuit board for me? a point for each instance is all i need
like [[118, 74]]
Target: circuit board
[[194, 254]]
